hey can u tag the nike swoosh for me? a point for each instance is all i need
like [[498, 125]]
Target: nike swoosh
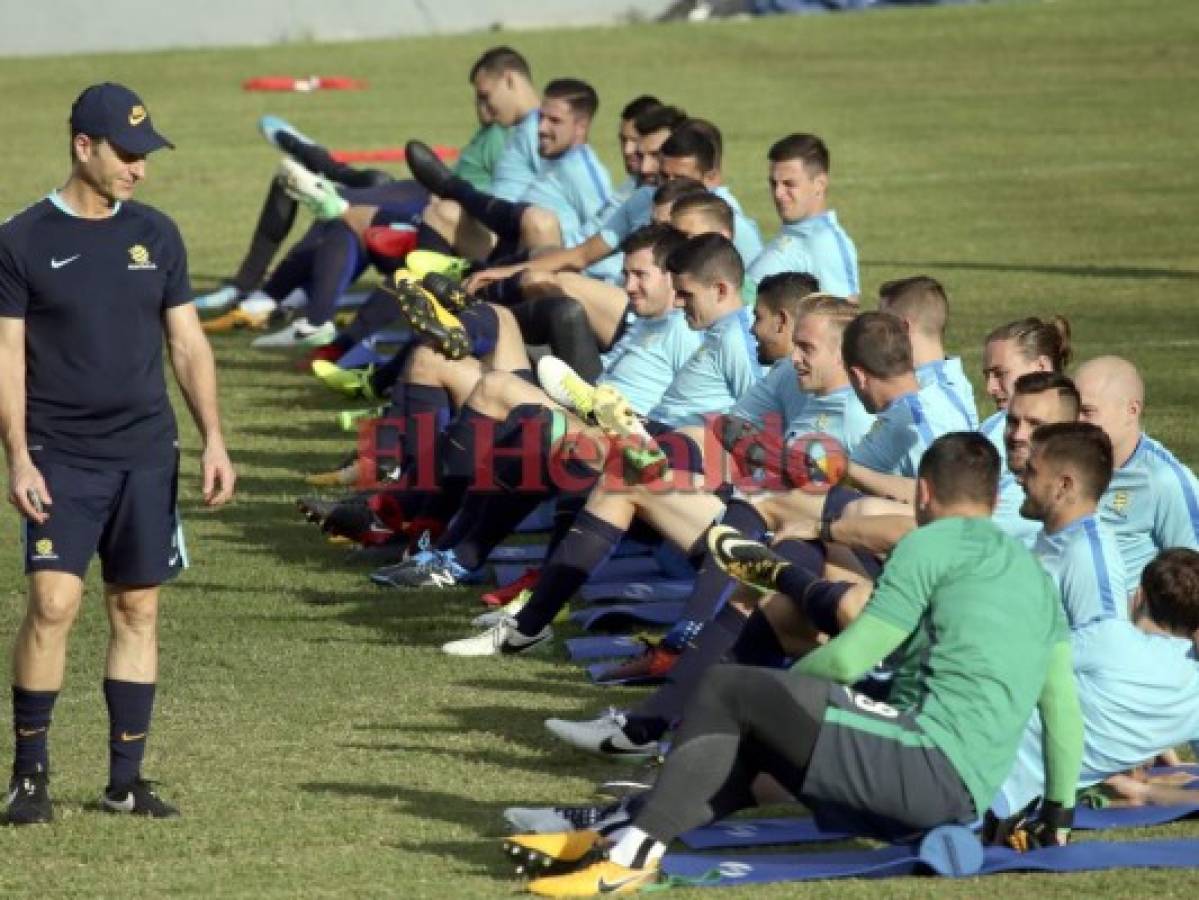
[[125, 805], [59, 263], [606, 887], [126, 736], [30, 732], [606, 746], [174, 560]]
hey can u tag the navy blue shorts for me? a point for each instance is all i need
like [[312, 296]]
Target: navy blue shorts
[[128, 517]]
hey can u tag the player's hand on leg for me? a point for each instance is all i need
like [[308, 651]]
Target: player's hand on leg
[[27, 491], [219, 477]]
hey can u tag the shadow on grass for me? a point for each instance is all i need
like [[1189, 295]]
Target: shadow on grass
[[1073, 271]]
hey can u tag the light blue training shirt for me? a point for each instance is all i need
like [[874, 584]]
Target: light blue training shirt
[[904, 430], [1152, 503], [818, 246], [648, 357], [715, 376]]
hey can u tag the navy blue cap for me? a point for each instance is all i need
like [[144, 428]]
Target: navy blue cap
[[114, 112]]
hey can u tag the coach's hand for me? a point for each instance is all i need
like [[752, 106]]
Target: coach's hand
[[218, 473], [27, 491]]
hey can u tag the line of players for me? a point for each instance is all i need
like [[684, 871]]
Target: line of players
[[1031, 582]]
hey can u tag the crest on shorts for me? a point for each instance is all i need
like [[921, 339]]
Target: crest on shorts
[[139, 258], [137, 115], [1120, 502], [44, 549]]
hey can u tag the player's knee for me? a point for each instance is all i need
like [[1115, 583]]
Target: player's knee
[[568, 317], [425, 365], [53, 610], [493, 391], [135, 610], [539, 228]]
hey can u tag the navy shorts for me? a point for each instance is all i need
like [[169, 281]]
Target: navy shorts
[[128, 517]]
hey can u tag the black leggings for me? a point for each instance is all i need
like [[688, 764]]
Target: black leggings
[[742, 722], [561, 323]]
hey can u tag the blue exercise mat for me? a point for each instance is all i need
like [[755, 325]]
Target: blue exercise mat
[[540, 519], [620, 615], [1088, 856], [534, 554], [773, 832], [604, 646], [642, 590]]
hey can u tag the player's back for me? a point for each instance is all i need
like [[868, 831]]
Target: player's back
[[986, 617]]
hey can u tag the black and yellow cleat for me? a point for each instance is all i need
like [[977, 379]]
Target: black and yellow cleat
[[427, 317], [600, 877], [448, 292], [750, 562], [543, 854]]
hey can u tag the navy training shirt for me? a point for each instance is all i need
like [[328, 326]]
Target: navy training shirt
[[92, 293]]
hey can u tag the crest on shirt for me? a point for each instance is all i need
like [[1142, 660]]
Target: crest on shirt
[[139, 258], [822, 421], [1120, 502], [137, 115]]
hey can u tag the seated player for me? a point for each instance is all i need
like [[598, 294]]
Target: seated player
[[333, 254], [980, 642], [693, 151], [1138, 685], [1152, 502], [571, 188], [811, 239], [921, 302], [504, 406], [707, 276]]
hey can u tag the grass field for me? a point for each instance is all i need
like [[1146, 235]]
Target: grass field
[[1036, 157]]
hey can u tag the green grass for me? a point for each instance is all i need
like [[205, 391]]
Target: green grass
[[1036, 157]]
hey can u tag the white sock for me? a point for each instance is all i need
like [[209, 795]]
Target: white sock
[[257, 303], [634, 849]]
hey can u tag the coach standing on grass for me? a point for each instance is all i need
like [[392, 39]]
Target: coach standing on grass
[[90, 284]]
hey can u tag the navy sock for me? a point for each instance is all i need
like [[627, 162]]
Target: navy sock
[[741, 515], [482, 326], [31, 713], [385, 377], [712, 586], [428, 239], [586, 546], [379, 311], [665, 705], [817, 598], [130, 705], [274, 222], [498, 518], [758, 645], [808, 555]]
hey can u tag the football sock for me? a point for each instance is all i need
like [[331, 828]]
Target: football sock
[[500, 216], [130, 705], [482, 326], [428, 239], [498, 517], [337, 261], [712, 586], [379, 311], [561, 323], [635, 849], [586, 546], [31, 714], [817, 598], [274, 222], [758, 645], [385, 377]]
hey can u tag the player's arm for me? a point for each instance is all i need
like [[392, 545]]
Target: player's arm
[[854, 652], [1061, 722], [23, 477], [191, 358], [565, 259], [883, 484]]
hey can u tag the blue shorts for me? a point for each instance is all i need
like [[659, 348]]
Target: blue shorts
[[128, 517]]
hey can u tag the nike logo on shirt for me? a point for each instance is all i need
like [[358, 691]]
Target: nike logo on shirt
[[59, 263]]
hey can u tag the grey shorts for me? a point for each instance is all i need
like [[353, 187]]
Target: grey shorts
[[874, 771]]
